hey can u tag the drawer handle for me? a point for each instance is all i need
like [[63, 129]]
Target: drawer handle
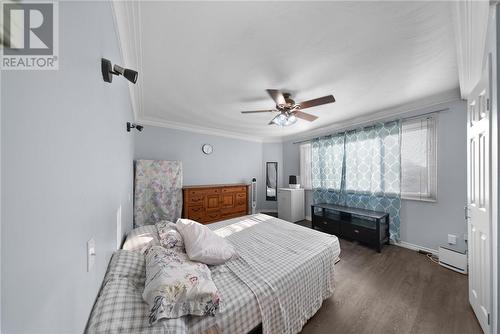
[[356, 231]]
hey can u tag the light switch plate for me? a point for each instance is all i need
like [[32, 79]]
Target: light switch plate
[[90, 254], [452, 239]]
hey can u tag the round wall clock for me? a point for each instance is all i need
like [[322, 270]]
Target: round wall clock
[[207, 148]]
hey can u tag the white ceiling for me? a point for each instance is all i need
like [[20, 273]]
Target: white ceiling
[[204, 62]]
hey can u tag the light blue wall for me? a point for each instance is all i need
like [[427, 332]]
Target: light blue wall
[[428, 224], [66, 171], [232, 160], [423, 223]]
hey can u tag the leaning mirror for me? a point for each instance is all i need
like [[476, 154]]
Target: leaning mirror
[[271, 180]]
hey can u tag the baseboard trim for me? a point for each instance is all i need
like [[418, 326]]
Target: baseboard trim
[[414, 247]]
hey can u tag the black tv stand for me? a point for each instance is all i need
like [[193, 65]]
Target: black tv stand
[[366, 226]]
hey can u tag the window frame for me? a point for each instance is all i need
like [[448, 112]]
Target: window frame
[[301, 176], [432, 168]]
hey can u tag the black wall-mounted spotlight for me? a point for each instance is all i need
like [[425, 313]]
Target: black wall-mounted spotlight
[[108, 70], [134, 126]]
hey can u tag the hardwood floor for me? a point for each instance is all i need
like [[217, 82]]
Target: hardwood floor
[[397, 291]]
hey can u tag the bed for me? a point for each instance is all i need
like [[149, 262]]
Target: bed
[[278, 280]]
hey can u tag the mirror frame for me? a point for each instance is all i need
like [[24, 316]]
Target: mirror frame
[[275, 197]]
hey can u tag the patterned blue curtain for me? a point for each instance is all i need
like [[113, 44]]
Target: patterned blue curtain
[[327, 156], [360, 168]]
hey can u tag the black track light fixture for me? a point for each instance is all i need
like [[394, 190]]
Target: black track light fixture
[[134, 126], [108, 71]]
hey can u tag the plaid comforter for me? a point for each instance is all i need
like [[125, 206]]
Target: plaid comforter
[[279, 278]]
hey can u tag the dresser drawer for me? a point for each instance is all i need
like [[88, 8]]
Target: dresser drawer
[[327, 225], [233, 189], [203, 191], [197, 199], [241, 199], [359, 233], [196, 192], [196, 212], [229, 212], [212, 216], [212, 191]]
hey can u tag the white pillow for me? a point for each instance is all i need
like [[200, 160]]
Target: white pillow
[[139, 238], [202, 244]]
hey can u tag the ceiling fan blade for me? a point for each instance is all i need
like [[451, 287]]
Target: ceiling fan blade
[[317, 102], [305, 116], [256, 111], [277, 96]]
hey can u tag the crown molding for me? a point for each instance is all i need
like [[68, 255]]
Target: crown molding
[[386, 114], [127, 23], [470, 21], [205, 130]]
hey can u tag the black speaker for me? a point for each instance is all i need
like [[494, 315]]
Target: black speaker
[[292, 179]]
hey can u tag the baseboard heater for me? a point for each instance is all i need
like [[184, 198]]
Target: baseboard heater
[[454, 257]]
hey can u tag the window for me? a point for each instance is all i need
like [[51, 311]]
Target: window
[[329, 155], [418, 159], [305, 166], [372, 160], [363, 163]]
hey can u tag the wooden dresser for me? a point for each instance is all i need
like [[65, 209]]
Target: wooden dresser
[[210, 203]]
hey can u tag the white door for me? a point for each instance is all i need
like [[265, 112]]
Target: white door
[[478, 200]]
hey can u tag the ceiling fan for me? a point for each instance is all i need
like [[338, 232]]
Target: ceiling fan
[[288, 110]]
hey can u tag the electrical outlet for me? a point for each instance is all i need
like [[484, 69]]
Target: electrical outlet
[[90, 254], [452, 239]]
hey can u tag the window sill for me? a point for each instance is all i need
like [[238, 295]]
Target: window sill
[[414, 199]]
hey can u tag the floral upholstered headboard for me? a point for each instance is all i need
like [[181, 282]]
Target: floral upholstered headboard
[[157, 191]]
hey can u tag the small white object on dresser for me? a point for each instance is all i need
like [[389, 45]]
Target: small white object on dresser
[[291, 204]]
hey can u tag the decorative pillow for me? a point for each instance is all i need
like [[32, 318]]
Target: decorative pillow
[[140, 237], [202, 244], [176, 286], [169, 236]]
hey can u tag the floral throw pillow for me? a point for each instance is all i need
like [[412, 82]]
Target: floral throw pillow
[[176, 286], [168, 235]]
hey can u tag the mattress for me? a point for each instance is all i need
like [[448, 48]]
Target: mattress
[[275, 257]]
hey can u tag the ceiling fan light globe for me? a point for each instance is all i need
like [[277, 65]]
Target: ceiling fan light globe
[[283, 120], [291, 120], [279, 120]]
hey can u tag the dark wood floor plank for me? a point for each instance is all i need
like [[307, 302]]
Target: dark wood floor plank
[[397, 291]]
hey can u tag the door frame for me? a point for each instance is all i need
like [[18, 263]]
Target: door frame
[[492, 59]]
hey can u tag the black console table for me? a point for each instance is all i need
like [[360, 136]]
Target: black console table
[[370, 227]]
